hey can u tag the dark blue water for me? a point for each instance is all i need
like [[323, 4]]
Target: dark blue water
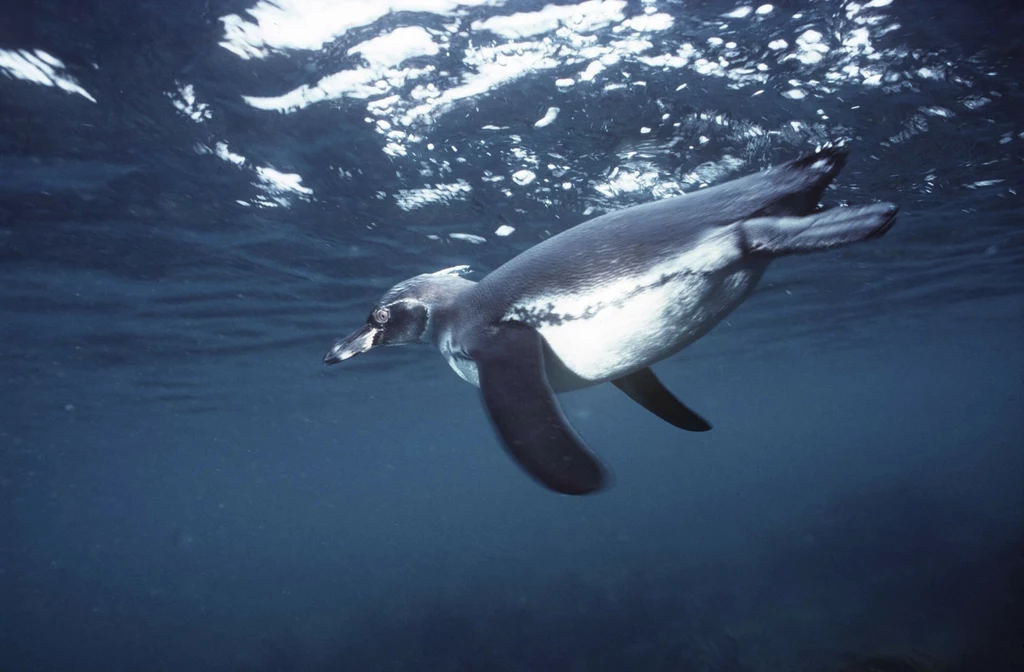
[[198, 197]]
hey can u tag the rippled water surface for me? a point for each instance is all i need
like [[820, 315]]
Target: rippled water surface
[[198, 197]]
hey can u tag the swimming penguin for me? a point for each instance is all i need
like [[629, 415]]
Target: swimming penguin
[[606, 299]]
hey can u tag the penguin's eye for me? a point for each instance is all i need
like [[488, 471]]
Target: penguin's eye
[[382, 315]]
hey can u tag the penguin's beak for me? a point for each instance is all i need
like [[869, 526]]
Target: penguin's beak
[[361, 341]]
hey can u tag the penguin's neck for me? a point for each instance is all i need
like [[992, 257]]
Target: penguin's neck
[[444, 295]]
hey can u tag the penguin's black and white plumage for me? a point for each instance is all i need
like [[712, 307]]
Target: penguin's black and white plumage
[[606, 299]]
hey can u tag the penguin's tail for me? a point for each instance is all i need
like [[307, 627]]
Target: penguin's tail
[[822, 230]]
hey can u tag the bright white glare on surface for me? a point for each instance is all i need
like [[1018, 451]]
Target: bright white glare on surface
[[184, 100], [548, 117], [406, 77], [583, 18], [468, 237], [412, 199], [39, 67], [277, 25]]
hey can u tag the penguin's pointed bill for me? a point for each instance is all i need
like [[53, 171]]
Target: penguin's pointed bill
[[350, 346], [644, 388], [521, 404]]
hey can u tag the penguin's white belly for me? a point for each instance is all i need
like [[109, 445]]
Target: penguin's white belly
[[647, 325], [626, 321], [623, 328]]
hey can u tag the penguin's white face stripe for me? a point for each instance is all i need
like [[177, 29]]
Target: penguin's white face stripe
[[409, 321]]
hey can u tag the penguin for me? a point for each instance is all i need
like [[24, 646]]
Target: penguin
[[605, 300]]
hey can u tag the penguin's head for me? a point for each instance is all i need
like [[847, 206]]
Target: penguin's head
[[403, 315]]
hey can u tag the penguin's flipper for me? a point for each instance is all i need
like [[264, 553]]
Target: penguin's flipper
[[644, 388], [521, 404]]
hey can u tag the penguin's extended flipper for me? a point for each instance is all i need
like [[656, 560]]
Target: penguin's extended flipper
[[644, 388], [510, 361]]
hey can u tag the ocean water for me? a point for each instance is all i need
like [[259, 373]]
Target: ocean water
[[198, 197]]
